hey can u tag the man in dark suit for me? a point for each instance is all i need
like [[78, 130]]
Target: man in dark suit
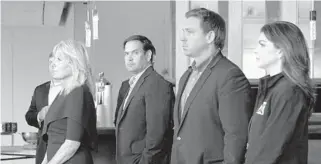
[[213, 106], [43, 94], [124, 88], [144, 112]]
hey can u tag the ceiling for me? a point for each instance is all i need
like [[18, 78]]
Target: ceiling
[[31, 13]]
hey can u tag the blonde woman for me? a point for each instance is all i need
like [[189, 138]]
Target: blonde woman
[[70, 124]]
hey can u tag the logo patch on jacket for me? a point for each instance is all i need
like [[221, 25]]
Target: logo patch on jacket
[[260, 111]]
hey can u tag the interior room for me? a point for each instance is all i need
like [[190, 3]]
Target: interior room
[[30, 30]]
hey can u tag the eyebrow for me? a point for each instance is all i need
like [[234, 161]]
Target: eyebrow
[[188, 29], [61, 56], [57, 56], [132, 50]]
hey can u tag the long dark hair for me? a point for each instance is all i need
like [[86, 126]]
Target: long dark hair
[[296, 64]]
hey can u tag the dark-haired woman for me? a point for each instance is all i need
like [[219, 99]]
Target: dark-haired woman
[[278, 131]]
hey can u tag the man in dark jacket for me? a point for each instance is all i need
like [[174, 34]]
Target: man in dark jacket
[[144, 112], [213, 104]]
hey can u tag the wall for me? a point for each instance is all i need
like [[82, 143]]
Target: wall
[[24, 63], [25, 51], [117, 21], [182, 61]]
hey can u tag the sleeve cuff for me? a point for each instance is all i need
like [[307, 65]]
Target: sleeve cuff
[[38, 121]]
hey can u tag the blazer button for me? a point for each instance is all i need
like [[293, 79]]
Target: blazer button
[[179, 138]]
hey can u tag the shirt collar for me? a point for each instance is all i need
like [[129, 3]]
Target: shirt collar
[[201, 65], [269, 81], [137, 76]]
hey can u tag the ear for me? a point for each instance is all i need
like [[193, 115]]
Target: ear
[[279, 53], [70, 62], [210, 36], [148, 55]]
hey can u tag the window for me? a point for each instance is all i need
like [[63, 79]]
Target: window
[[254, 17], [257, 13]]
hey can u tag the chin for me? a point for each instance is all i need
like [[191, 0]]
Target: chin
[[58, 78], [188, 54], [258, 65], [131, 70], [261, 66]]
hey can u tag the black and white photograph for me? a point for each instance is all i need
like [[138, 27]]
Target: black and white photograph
[[160, 82]]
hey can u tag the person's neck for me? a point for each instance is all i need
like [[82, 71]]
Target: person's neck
[[206, 54], [274, 70], [64, 81], [142, 70], [56, 82]]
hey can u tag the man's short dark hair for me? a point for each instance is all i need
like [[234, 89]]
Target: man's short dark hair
[[210, 21], [147, 44]]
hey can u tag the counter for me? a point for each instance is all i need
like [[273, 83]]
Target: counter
[[26, 154], [315, 126], [18, 154]]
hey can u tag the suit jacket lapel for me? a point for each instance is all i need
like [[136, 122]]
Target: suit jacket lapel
[[135, 89], [46, 94], [54, 112], [199, 84], [56, 103], [121, 109], [43, 100], [122, 95], [181, 88]]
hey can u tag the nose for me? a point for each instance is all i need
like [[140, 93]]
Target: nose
[[52, 65], [256, 53], [129, 57], [182, 36], [255, 50]]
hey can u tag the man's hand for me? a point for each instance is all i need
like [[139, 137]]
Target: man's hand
[[42, 114]]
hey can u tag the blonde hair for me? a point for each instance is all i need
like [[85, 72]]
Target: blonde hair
[[79, 63]]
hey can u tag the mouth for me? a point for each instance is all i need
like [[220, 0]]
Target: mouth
[[130, 65]]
